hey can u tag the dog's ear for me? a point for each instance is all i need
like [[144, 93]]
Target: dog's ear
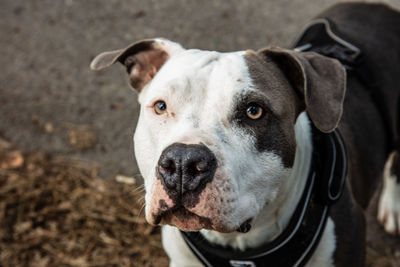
[[142, 59], [319, 80]]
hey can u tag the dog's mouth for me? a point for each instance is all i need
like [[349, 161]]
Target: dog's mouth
[[183, 219], [189, 221]]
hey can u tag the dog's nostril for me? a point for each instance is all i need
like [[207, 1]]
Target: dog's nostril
[[201, 166], [196, 168], [167, 166]]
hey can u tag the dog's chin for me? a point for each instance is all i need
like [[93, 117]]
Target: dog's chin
[[191, 222]]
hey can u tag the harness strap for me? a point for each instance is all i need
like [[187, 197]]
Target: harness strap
[[300, 238]]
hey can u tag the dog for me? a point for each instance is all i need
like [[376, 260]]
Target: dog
[[226, 142]]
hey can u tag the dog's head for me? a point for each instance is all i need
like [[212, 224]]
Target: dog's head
[[215, 140]]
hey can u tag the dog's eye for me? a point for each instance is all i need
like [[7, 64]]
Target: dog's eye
[[254, 111], [160, 107]]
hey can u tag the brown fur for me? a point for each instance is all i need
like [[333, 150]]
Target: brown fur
[[143, 66]]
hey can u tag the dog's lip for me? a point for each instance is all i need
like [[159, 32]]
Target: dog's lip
[[184, 219], [188, 221]]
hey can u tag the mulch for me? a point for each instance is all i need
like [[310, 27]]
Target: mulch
[[56, 211]]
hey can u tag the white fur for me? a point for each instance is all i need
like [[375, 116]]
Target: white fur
[[178, 252], [199, 88], [389, 202], [323, 255]]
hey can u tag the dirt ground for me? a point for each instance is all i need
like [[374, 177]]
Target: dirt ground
[[62, 127]]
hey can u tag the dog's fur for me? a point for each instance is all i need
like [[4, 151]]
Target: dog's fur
[[262, 164]]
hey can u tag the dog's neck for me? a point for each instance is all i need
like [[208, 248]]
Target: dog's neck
[[272, 220]]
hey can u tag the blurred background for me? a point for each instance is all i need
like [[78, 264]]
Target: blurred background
[[66, 131]]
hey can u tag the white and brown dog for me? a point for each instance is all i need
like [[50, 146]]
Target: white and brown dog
[[225, 141]]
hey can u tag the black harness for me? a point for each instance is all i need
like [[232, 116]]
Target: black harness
[[324, 186], [295, 245]]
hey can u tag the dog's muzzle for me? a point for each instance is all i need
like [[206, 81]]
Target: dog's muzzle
[[186, 168]]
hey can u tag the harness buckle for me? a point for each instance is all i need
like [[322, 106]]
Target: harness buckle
[[235, 263]]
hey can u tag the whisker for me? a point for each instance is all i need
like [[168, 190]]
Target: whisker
[[138, 190], [141, 199], [140, 211]]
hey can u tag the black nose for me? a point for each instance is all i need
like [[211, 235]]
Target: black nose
[[186, 167]]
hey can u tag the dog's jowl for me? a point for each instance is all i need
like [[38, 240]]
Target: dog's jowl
[[244, 154]]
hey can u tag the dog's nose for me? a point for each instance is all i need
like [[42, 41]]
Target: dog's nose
[[186, 167]]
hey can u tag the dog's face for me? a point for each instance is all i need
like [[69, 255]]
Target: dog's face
[[210, 100], [215, 140]]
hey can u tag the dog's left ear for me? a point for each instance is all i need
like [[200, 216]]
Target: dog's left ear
[[321, 82], [142, 59]]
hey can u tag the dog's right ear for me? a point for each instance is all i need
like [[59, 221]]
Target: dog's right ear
[[142, 59]]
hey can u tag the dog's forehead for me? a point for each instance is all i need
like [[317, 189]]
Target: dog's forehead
[[202, 74]]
